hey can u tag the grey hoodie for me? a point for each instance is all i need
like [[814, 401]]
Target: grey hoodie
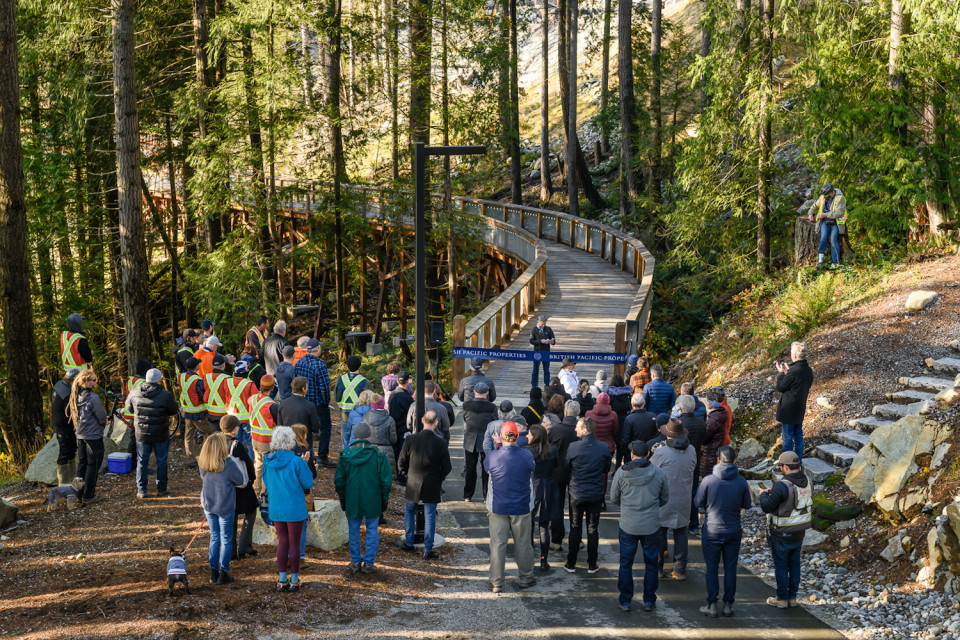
[[93, 417], [383, 433], [75, 323], [640, 489]]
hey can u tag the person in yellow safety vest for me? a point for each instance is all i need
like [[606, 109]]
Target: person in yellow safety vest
[[238, 392], [185, 348], [789, 508], [349, 387], [128, 385], [194, 409], [264, 415], [215, 396], [256, 335], [74, 350], [830, 210]]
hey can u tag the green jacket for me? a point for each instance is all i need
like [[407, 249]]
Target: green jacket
[[363, 480]]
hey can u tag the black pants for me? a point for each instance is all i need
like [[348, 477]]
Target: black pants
[[623, 455], [544, 540], [88, 464], [556, 526], [470, 459], [579, 509], [244, 544], [68, 446]]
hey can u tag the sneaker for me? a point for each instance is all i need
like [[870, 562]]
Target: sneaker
[[214, 575], [326, 462], [141, 496], [430, 555], [593, 568], [649, 606], [283, 586], [495, 588], [792, 603], [556, 546], [624, 607], [695, 533], [727, 610], [679, 577], [570, 568], [709, 610], [354, 566], [225, 578], [404, 546], [163, 494], [367, 569], [193, 465], [774, 601], [467, 499], [527, 585], [664, 575]]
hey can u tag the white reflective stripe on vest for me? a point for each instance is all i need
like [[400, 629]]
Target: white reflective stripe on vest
[[67, 340], [802, 513], [215, 402], [350, 399], [258, 423], [186, 381], [237, 407]]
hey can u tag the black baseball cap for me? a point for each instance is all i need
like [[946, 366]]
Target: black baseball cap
[[207, 324]]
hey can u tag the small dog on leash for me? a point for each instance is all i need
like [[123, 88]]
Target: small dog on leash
[[65, 494], [177, 571]]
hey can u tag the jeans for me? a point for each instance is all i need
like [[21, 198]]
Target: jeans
[[369, 554], [221, 540], [579, 509], [629, 544], [89, 459], [830, 233], [680, 545], [323, 437], [470, 459], [536, 369], [160, 451], [786, 566], [714, 546], [793, 438], [429, 523], [501, 529]]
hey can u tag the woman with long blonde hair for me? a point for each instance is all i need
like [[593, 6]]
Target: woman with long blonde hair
[[221, 477], [86, 413]]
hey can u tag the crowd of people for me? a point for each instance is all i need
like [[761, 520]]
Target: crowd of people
[[664, 460]]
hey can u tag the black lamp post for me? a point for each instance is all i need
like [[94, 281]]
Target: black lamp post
[[421, 152]]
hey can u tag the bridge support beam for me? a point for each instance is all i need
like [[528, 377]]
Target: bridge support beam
[[619, 345]]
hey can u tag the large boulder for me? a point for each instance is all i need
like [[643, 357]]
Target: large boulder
[[326, 527], [751, 449], [8, 513], [43, 467], [881, 472]]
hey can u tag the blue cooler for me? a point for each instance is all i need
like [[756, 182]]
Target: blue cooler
[[119, 463]]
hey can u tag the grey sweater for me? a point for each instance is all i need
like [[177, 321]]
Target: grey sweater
[[219, 495], [92, 416]]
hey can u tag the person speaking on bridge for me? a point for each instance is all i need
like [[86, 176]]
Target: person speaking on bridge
[[541, 338]]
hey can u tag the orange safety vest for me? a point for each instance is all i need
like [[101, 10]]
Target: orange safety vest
[[70, 351], [236, 406], [259, 335], [129, 385], [262, 423], [216, 403], [206, 361]]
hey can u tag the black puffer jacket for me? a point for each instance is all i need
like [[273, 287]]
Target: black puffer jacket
[[638, 425], [152, 407], [589, 460], [795, 386]]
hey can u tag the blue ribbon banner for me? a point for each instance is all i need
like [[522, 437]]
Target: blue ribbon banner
[[538, 356]]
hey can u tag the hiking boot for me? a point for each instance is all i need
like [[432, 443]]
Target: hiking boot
[[367, 569], [709, 610], [214, 575], [495, 588], [527, 585], [430, 555], [225, 578], [774, 601], [93, 500], [679, 577], [404, 546], [792, 603], [326, 462], [649, 606], [624, 607], [727, 610], [354, 566]]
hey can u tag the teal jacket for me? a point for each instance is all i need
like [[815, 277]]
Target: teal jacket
[[363, 480], [286, 477]]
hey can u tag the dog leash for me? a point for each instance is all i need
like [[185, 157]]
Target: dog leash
[[202, 522]]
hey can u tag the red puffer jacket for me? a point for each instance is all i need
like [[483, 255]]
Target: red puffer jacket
[[606, 423]]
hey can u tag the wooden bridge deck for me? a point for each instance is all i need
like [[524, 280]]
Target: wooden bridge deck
[[586, 297]]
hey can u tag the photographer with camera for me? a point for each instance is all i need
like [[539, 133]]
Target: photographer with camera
[[794, 384]]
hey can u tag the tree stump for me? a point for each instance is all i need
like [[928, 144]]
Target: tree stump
[[806, 242]]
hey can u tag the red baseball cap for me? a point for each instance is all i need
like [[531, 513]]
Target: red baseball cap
[[509, 427]]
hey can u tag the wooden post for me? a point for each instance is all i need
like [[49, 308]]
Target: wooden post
[[458, 368], [620, 345], [603, 244], [539, 224], [623, 255], [498, 334], [516, 310]]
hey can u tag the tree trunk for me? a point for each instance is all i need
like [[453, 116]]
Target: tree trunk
[[656, 115], [572, 109], [23, 428], [447, 189], [765, 173], [705, 34], [605, 79], [204, 80], [133, 257], [546, 182], [629, 187], [933, 137], [338, 167], [306, 67], [175, 212], [514, 111], [391, 35], [899, 25], [806, 242]]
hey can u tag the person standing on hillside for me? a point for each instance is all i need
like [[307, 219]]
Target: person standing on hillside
[[273, 346], [256, 336], [789, 509], [284, 375], [541, 338], [315, 371], [66, 436], [75, 352], [641, 377], [794, 384], [830, 210]]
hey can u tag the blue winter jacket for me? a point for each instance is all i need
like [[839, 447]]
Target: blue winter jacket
[[286, 477], [721, 496], [659, 396], [511, 473], [356, 417]]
